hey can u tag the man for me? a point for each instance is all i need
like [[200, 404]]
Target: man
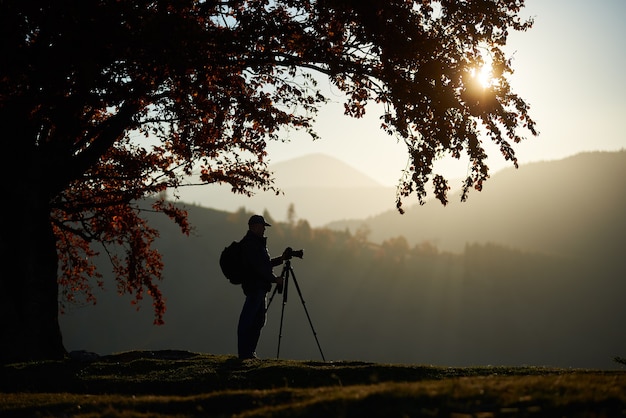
[[256, 284]]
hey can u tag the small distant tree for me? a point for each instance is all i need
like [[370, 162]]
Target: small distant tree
[[362, 233], [103, 103], [291, 214]]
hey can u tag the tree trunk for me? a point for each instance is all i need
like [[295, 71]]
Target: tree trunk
[[29, 326]]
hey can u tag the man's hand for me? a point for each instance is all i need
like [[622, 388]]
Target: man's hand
[[279, 283], [286, 254], [278, 280]]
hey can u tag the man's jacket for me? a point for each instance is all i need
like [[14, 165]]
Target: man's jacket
[[258, 264]]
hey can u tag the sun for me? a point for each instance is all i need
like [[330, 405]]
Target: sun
[[484, 76], [482, 73]]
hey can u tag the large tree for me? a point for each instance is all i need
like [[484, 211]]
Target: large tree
[[105, 102]]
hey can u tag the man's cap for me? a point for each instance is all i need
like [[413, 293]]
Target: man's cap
[[257, 219]]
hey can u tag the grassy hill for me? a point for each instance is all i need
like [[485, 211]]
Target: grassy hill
[[184, 384]]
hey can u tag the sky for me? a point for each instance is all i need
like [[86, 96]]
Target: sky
[[569, 67]]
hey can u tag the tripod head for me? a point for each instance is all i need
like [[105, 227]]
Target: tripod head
[[288, 254]]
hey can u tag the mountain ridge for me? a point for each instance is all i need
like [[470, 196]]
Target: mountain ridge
[[322, 171], [321, 189], [325, 191], [524, 208]]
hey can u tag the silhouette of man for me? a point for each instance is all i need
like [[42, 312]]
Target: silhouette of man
[[256, 284]]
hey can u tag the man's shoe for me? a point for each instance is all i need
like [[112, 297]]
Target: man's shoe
[[248, 357]]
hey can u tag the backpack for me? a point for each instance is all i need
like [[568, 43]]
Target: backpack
[[231, 262]]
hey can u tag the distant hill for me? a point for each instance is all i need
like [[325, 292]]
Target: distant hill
[[571, 206], [320, 171], [321, 188]]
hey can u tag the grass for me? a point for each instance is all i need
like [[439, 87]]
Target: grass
[[182, 384]]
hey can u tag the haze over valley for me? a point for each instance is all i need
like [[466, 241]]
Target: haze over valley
[[528, 271]]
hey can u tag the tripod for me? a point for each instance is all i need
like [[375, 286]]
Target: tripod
[[288, 270]]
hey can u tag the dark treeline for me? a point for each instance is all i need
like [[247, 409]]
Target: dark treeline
[[387, 302]]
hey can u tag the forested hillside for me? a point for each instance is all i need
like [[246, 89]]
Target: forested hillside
[[394, 301]]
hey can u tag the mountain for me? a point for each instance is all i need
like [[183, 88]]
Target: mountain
[[320, 171], [321, 188], [556, 207]]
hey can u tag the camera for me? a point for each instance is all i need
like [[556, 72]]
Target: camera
[[289, 252]]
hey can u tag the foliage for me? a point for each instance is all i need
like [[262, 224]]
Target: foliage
[[188, 384], [112, 101]]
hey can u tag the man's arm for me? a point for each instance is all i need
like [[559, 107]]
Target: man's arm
[[277, 261]]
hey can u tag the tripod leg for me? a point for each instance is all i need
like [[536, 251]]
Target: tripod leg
[[269, 303], [306, 311], [282, 311]]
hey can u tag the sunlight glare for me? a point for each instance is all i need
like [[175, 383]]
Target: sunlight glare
[[484, 76]]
